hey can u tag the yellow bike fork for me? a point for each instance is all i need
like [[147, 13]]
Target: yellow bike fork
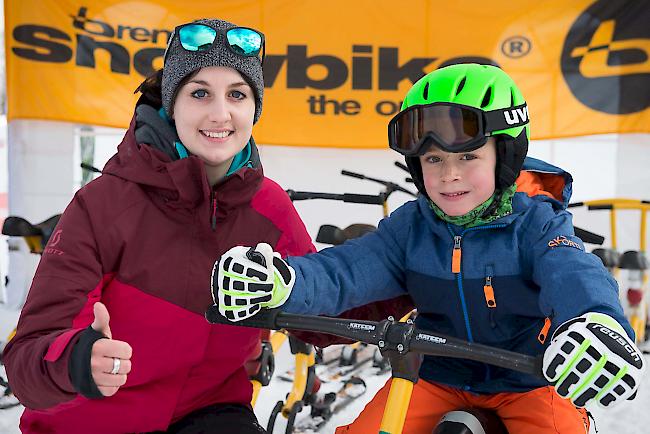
[[303, 381], [405, 369], [267, 362]]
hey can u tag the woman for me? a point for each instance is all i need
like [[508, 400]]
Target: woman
[[112, 337]]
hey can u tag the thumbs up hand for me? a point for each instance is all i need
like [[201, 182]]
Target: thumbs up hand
[[110, 360]]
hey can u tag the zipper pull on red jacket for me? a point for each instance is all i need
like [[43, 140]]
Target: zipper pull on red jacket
[[213, 219], [455, 255]]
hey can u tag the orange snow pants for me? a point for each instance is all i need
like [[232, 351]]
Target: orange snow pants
[[540, 411]]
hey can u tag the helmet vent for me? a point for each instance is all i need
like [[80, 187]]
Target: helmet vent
[[512, 97], [425, 92], [461, 85], [487, 98]]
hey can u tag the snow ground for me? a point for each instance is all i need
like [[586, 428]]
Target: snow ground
[[630, 417]]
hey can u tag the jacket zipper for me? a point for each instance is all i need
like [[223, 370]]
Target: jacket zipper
[[543, 334], [456, 257], [213, 218], [488, 291]]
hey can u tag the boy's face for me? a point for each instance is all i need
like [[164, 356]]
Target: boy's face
[[458, 183]]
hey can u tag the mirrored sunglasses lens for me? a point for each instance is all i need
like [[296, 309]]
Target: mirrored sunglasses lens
[[246, 42], [197, 37]]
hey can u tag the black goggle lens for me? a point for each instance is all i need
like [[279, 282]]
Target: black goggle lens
[[450, 126]]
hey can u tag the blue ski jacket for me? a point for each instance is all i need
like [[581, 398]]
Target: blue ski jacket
[[513, 281]]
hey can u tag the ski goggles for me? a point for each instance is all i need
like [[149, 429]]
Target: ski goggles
[[197, 37], [452, 127]]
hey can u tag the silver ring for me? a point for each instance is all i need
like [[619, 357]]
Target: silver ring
[[116, 365]]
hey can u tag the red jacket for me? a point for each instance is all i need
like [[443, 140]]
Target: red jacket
[[140, 239]]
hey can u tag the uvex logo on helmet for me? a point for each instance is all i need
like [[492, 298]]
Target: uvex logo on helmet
[[606, 56], [516, 116]]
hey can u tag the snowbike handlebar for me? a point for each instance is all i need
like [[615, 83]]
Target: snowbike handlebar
[[389, 335], [372, 199], [390, 186]]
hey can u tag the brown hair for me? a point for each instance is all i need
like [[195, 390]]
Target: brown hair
[[151, 89]]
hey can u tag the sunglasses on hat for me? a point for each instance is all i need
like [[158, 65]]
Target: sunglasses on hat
[[197, 37], [452, 127]]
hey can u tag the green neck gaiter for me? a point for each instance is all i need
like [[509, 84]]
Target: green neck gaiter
[[475, 217]]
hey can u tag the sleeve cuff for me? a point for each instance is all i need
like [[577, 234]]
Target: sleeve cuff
[[79, 364]]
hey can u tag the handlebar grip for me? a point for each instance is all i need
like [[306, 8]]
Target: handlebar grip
[[402, 166], [306, 195], [605, 206], [589, 237], [300, 195], [264, 319], [297, 195], [363, 198], [352, 174], [90, 168]]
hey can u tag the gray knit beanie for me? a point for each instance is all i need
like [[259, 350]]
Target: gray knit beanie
[[180, 62]]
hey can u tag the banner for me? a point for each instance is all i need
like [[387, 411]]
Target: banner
[[336, 71]]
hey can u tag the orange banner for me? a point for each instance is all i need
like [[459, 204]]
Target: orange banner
[[335, 72]]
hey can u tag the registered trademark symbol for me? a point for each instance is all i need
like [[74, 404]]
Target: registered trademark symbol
[[516, 46]]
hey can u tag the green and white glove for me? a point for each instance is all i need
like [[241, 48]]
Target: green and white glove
[[244, 280], [591, 358]]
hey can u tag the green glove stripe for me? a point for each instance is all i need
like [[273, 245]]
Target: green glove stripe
[[240, 277], [607, 321], [607, 386], [241, 294], [232, 308], [595, 370], [583, 348], [279, 291]]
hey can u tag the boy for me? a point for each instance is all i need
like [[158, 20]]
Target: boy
[[484, 258]]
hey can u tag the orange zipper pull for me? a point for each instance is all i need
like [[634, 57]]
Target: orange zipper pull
[[544, 332], [455, 256], [489, 293]]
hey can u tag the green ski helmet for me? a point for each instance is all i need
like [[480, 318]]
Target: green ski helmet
[[458, 108]]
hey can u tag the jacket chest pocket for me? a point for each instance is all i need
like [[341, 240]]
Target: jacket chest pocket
[[491, 291]]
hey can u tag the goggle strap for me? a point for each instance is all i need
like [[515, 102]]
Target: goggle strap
[[502, 119]]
